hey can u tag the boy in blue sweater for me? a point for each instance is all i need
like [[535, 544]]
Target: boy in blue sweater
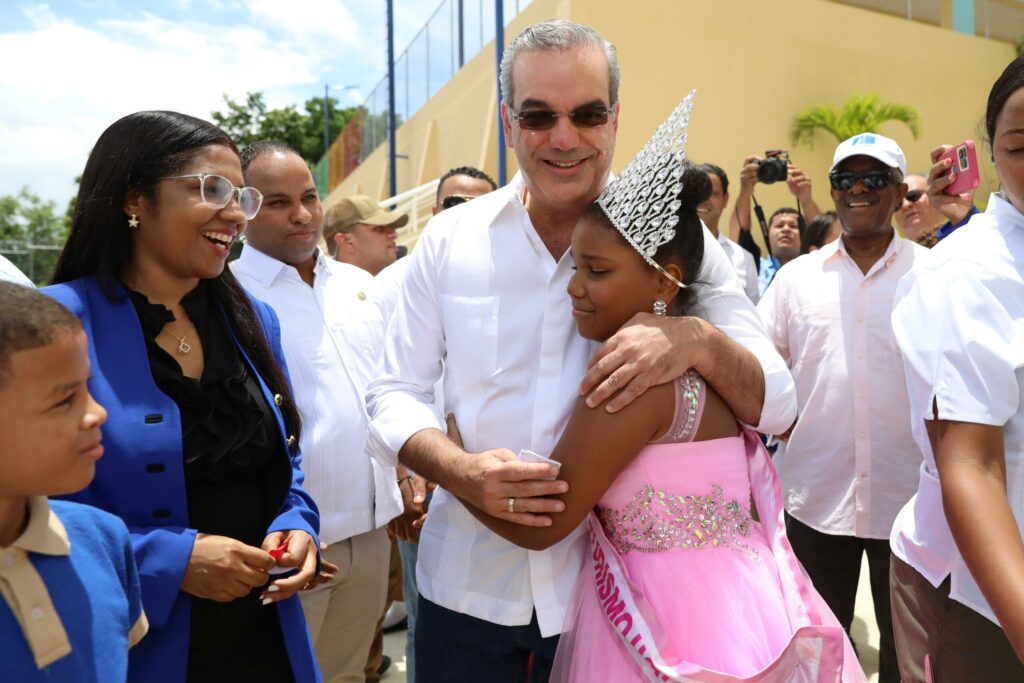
[[71, 604]]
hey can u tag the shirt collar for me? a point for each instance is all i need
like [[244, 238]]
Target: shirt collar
[[1003, 211], [265, 269], [45, 533], [896, 246]]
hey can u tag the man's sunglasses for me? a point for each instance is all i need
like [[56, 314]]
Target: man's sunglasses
[[872, 180], [589, 116], [453, 200], [913, 195]]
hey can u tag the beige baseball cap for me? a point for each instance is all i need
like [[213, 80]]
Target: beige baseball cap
[[359, 209]]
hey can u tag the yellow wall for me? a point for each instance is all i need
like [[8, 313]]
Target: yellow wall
[[755, 65]]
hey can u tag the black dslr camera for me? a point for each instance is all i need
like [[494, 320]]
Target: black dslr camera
[[774, 167]]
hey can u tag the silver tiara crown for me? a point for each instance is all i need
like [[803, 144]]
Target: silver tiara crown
[[643, 200]]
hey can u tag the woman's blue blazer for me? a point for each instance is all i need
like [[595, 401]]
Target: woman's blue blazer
[[141, 479]]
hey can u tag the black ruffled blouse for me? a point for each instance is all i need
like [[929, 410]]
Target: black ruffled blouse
[[237, 475]]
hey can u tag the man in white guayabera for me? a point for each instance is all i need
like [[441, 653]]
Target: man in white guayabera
[[489, 307]]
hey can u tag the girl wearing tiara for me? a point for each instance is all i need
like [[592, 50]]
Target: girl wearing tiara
[[690, 576]]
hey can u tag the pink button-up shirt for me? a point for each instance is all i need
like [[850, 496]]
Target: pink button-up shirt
[[851, 462]]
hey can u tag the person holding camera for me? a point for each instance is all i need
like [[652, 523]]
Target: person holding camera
[[774, 167]]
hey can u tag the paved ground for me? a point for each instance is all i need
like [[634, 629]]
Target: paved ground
[[865, 632]]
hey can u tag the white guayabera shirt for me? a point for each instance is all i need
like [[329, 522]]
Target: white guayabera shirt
[[743, 262], [331, 334], [484, 300], [959, 321]]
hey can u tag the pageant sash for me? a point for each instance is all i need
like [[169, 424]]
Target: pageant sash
[[815, 650]]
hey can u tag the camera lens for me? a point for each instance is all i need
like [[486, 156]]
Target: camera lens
[[771, 171]]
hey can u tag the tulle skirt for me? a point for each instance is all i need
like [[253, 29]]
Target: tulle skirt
[[712, 614]]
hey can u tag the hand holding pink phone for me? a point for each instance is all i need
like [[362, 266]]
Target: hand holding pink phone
[[963, 168]]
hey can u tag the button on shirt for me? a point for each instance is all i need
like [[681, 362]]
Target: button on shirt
[[332, 342], [959, 321], [851, 462], [743, 263], [484, 299]]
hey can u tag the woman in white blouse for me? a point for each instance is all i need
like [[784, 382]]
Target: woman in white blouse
[[958, 555]]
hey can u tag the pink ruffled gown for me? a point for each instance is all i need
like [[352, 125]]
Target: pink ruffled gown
[[680, 584]]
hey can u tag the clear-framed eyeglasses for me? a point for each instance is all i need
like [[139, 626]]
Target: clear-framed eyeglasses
[[216, 191]]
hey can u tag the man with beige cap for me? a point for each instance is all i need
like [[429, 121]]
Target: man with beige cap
[[359, 232]]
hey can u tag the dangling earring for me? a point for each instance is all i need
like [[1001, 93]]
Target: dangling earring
[[660, 307], [133, 221]]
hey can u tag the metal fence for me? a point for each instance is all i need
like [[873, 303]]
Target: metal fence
[[35, 260], [454, 34]]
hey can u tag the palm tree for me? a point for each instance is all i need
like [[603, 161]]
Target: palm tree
[[862, 113]]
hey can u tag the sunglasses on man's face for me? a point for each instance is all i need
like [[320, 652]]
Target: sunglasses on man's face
[[913, 195], [453, 200], [872, 180], [589, 116]]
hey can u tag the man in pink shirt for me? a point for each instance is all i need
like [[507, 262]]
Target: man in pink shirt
[[851, 462]]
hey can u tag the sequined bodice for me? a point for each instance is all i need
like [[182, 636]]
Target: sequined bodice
[[678, 494], [657, 520]]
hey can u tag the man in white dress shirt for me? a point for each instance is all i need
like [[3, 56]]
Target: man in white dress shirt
[[485, 299], [331, 332], [851, 462], [710, 212]]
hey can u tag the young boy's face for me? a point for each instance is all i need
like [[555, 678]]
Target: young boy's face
[[49, 422]]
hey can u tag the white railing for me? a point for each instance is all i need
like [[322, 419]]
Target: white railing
[[418, 203]]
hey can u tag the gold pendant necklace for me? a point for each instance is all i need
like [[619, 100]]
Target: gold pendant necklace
[[183, 348]]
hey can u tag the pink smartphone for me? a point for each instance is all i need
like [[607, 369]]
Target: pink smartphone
[[965, 166]]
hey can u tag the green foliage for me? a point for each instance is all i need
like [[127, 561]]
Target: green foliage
[[249, 121], [862, 113], [32, 232]]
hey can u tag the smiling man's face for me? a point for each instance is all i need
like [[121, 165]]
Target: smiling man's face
[[863, 211], [564, 167]]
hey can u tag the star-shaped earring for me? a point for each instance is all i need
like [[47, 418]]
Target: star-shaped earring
[[133, 222]]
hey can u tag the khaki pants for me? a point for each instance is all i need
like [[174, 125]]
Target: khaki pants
[[963, 646], [376, 657], [342, 615]]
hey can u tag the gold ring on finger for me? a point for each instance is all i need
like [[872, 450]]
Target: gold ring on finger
[[511, 502]]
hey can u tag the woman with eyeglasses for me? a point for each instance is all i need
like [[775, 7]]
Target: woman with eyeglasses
[[200, 459], [957, 572]]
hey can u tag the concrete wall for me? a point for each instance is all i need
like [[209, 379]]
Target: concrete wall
[[755, 65]]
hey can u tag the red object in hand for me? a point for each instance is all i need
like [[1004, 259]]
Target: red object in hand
[[280, 550]]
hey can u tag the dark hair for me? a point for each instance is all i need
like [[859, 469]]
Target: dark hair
[[466, 171], [817, 231], [686, 248], [781, 211], [717, 170], [1009, 82], [134, 153], [257, 149], [30, 320]]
